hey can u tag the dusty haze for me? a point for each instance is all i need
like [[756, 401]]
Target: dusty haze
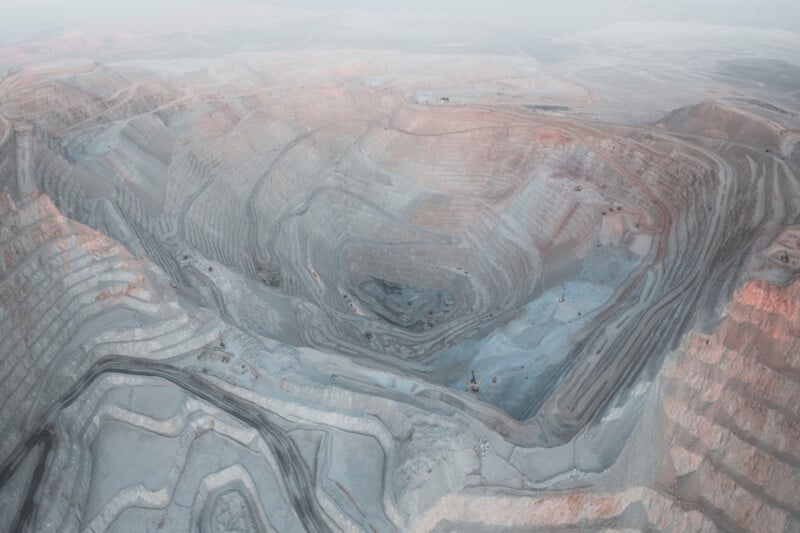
[[426, 266]]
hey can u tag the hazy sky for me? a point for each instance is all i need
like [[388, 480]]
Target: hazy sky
[[22, 20], [28, 19]]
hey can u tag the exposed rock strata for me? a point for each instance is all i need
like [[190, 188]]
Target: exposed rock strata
[[271, 300]]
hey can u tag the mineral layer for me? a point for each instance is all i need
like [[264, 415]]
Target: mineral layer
[[367, 290]]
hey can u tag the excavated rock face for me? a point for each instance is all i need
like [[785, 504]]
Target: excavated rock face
[[301, 303], [729, 403]]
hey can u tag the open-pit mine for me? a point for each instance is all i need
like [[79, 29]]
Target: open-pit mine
[[360, 288]]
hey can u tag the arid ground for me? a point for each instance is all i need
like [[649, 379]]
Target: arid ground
[[320, 288]]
